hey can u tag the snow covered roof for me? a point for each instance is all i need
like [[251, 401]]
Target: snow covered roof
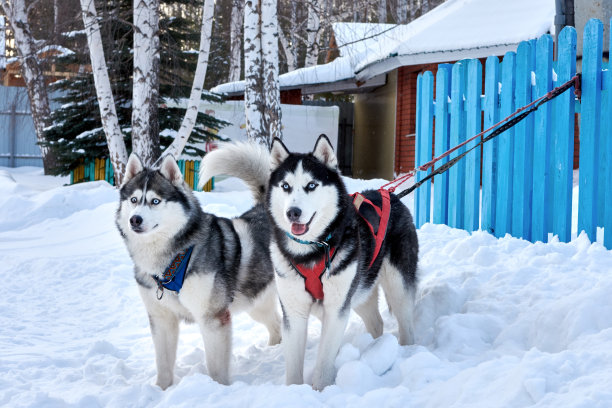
[[454, 30], [461, 29]]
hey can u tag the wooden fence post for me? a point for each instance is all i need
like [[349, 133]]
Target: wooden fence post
[[542, 143], [522, 172], [489, 154], [505, 158], [606, 134], [443, 84], [456, 178], [424, 147], [563, 137], [472, 159], [590, 112]]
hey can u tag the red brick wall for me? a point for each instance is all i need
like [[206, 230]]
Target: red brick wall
[[405, 127], [405, 120]]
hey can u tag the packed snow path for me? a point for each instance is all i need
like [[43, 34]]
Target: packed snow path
[[500, 322]]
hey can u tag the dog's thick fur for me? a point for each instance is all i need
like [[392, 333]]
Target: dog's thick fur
[[306, 198], [229, 271]]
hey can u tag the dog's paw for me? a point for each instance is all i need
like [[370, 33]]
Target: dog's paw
[[163, 383], [320, 380]]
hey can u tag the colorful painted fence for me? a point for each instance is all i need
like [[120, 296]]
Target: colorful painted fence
[[101, 169], [521, 181]]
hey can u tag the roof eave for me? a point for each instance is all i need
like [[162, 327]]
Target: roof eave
[[393, 62]]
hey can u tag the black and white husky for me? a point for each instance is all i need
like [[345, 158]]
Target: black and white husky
[[193, 266], [326, 257]]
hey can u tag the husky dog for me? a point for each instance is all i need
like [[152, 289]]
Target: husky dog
[[223, 264], [316, 228]]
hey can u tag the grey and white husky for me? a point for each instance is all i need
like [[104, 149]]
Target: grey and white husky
[[223, 265], [326, 257]]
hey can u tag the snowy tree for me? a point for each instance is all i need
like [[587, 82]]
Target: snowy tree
[[145, 116], [262, 96], [313, 32], [236, 40], [17, 15], [382, 11], [195, 97], [114, 137], [145, 129]]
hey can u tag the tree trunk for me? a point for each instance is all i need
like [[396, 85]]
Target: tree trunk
[[145, 122], [401, 12], [114, 136], [191, 114], [382, 11], [269, 45], [235, 40], [15, 11], [262, 98], [313, 32]]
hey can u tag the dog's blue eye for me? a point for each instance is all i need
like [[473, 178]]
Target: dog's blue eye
[[134, 200], [155, 201], [311, 186], [285, 187]]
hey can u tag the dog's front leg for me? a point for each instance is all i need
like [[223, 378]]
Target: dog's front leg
[[336, 310], [165, 330], [296, 304], [217, 335], [333, 326]]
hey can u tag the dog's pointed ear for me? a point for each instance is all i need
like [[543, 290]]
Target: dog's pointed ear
[[278, 153], [170, 170], [324, 151], [133, 167]]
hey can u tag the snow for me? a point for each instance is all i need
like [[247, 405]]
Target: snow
[[454, 30], [468, 28], [499, 322]]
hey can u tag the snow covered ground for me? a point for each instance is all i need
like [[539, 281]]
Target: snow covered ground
[[500, 322]]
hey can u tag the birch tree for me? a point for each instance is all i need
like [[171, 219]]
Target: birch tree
[[17, 15], [262, 96], [145, 129], [236, 40], [108, 114], [382, 11], [193, 105], [313, 32]]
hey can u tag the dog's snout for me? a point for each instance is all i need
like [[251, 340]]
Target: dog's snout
[[135, 220], [293, 214]]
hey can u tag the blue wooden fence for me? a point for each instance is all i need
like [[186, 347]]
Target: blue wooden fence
[[525, 188]]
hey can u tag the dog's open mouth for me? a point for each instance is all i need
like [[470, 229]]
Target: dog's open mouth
[[301, 229]]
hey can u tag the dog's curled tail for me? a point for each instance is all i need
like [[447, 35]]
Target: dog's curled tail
[[249, 162]]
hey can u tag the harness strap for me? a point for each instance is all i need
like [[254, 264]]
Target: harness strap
[[379, 232], [174, 275], [312, 276]]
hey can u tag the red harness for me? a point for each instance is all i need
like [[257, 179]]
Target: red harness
[[377, 219]]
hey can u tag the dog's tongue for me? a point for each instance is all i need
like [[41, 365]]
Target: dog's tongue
[[298, 229]]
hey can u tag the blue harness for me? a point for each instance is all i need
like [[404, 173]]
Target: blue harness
[[174, 275]]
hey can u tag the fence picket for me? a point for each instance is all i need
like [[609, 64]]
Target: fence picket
[[606, 133], [563, 137], [442, 135], [472, 160], [489, 154], [505, 158], [589, 128], [528, 170], [456, 178], [424, 147], [541, 204], [523, 147]]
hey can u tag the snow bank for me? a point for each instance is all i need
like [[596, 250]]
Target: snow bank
[[500, 322]]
